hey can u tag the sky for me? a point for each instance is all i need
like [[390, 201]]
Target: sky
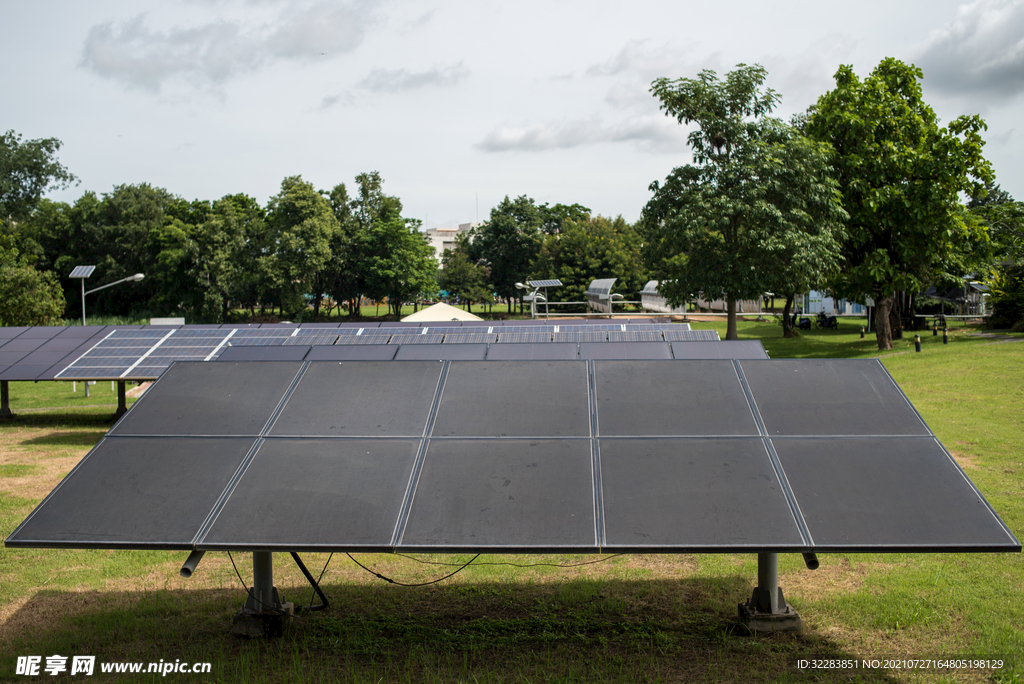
[[458, 103]]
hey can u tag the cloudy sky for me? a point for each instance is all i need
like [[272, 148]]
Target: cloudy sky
[[457, 103]]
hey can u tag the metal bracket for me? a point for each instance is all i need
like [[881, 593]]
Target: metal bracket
[[767, 610], [264, 613]]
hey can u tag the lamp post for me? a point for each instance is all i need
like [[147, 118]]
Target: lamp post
[[135, 278]]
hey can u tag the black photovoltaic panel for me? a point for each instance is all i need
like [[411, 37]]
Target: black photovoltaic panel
[[441, 352], [625, 350], [137, 492], [353, 352], [23, 344], [467, 338], [304, 491], [416, 339], [211, 399], [291, 353], [7, 333], [635, 336], [725, 349], [513, 456], [12, 357], [661, 493], [551, 351], [42, 331], [660, 398], [524, 337], [376, 402], [831, 397], [501, 486], [539, 398], [674, 335]]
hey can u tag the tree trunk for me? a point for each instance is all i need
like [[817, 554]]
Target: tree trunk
[[896, 317], [883, 334], [316, 308], [730, 308], [788, 329]]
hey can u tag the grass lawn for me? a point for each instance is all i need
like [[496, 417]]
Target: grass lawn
[[635, 618]]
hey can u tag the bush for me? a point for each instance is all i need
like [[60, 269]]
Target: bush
[[28, 297], [1007, 297]]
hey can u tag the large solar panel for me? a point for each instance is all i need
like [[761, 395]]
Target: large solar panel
[[725, 349], [673, 334], [442, 352], [551, 351], [520, 456]]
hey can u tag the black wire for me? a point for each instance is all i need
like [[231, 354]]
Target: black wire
[[517, 565], [421, 584]]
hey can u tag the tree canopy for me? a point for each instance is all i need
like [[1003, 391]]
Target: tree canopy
[[27, 170], [758, 210], [901, 175]]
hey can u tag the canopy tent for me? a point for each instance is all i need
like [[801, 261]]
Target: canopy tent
[[441, 312]]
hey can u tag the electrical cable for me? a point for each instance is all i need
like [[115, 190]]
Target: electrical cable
[[421, 584], [249, 591]]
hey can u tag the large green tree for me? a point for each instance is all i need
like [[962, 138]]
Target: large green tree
[[508, 244], [758, 200], [901, 175], [399, 263], [27, 296], [27, 170], [592, 247], [303, 226], [461, 276]]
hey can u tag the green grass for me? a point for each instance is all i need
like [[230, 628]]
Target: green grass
[[630, 619], [66, 396]]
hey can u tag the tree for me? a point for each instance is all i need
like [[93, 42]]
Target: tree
[[303, 225], [27, 170], [901, 176], [27, 296], [461, 277], [758, 203], [554, 218], [508, 244], [399, 264], [588, 248]]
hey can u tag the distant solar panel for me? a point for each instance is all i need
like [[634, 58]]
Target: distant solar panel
[[363, 339], [468, 338], [673, 335], [353, 352], [444, 330], [635, 336], [625, 350], [587, 328], [544, 283], [518, 337], [291, 353], [81, 271], [743, 349], [596, 336], [311, 340], [416, 339]]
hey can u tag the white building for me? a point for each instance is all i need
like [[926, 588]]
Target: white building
[[443, 239]]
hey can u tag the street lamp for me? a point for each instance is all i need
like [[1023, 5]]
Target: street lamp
[[83, 272]]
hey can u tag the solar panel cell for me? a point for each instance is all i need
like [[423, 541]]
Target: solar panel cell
[[517, 494], [210, 399], [694, 493], [380, 399], [441, 352], [303, 493], [130, 493], [536, 399]]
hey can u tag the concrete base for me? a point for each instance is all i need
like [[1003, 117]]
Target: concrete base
[[258, 625], [754, 618]]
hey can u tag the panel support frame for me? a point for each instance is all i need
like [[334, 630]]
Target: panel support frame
[[5, 401], [767, 610], [264, 613], [122, 401]]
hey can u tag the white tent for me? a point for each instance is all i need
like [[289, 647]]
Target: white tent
[[441, 312]]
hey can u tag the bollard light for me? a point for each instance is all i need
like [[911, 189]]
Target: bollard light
[[917, 343], [862, 332], [945, 336]]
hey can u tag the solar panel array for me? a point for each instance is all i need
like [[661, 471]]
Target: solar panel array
[[143, 354], [520, 456]]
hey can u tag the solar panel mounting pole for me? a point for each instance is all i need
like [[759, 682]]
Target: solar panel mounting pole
[[5, 401], [264, 613], [767, 610]]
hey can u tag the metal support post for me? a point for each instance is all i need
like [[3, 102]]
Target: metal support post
[[5, 401], [264, 614], [767, 610], [122, 401]]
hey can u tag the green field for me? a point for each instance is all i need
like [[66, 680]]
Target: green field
[[632, 618]]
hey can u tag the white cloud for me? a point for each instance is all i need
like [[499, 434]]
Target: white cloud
[[981, 52], [649, 131], [211, 54], [395, 80]]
